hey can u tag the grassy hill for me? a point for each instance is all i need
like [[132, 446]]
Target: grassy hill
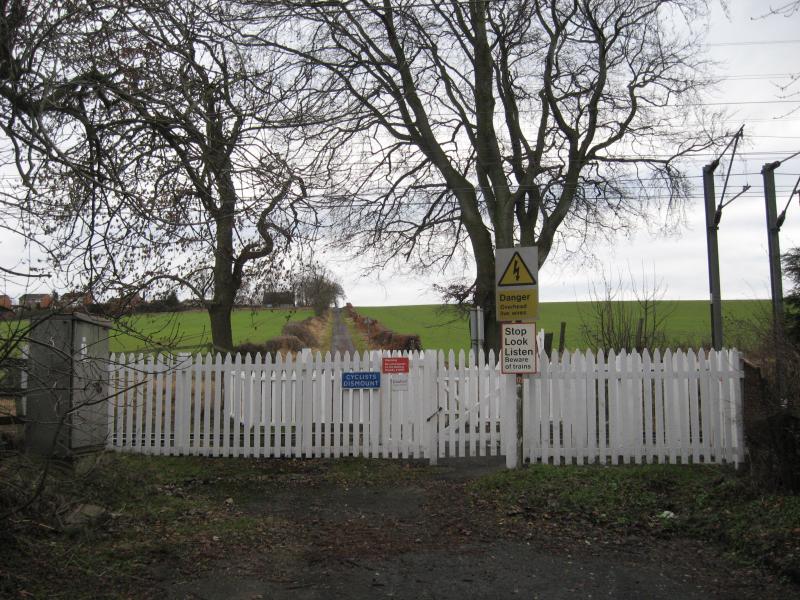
[[190, 331], [688, 323], [438, 326]]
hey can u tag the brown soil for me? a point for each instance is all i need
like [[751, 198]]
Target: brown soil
[[428, 538]]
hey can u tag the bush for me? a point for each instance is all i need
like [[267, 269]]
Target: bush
[[774, 447], [282, 344], [382, 337], [615, 324], [301, 330]]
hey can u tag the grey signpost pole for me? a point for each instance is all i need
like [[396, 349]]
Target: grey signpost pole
[[712, 227]]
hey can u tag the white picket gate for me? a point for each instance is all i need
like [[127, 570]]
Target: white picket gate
[[631, 408], [582, 408], [471, 396], [234, 406]]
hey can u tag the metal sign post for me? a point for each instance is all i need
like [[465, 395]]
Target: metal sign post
[[476, 329]]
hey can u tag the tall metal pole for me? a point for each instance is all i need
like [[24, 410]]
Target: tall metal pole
[[773, 244], [712, 226]]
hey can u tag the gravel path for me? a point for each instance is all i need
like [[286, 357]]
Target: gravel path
[[340, 340]]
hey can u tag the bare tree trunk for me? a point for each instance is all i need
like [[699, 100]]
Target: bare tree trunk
[[221, 331], [225, 281]]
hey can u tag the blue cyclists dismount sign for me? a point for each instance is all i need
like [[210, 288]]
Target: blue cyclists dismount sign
[[361, 380]]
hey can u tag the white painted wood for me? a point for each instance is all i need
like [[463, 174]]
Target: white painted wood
[[217, 414], [647, 407], [462, 410], [138, 438], [286, 406], [121, 398], [636, 409], [195, 393], [659, 423], [614, 437], [704, 401], [147, 391], [672, 406], [582, 408], [694, 406], [546, 411], [601, 368], [591, 408], [208, 375], [227, 405], [159, 368]]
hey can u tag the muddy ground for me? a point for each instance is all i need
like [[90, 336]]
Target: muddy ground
[[429, 537]]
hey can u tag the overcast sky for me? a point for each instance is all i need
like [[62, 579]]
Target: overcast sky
[[755, 56]]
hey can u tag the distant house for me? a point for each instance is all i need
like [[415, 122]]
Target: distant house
[[36, 301], [5, 302], [124, 304], [75, 299], [282, 299]]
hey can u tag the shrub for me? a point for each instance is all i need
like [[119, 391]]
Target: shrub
[[301, 330], [282, 344], [382, 337]]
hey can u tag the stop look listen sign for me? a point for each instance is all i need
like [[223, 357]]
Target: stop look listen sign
[[518, 353]]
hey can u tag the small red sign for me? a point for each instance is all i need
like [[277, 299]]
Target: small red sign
[[394, 364]]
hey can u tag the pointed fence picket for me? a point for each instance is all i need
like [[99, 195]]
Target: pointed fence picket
[[676, 407], [679, 407], [217, 405]]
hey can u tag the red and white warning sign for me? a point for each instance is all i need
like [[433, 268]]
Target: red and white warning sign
[[394, 364], [396, 367]]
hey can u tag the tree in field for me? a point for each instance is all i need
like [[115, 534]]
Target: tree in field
[[318, 289], [490, 124], [176, 157]]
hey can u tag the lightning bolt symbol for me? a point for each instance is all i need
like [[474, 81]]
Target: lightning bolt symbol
[[516, 270]]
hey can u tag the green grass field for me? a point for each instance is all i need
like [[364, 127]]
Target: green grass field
[[438, 326], [190, 331], [688, 324]]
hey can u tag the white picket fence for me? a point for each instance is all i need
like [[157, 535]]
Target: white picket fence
[[235, 406], [682, 407], [631, 408]]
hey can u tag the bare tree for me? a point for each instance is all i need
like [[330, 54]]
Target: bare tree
[[612, 323], [486, 124], [318, 288], [186, 167]]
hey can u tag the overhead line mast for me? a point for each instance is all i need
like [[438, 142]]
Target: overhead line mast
[[713, 216]]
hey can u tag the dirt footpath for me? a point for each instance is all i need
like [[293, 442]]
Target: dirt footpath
[[428, 538], [340, 339]]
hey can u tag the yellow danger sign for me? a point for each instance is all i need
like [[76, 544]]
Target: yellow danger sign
[[516, 285], [516, 273]]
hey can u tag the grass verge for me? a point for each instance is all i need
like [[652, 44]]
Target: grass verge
[[706, 503], [359, 339]]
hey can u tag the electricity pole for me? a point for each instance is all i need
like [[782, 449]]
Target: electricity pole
[[773, 244], [712, 227], [713, 216]]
